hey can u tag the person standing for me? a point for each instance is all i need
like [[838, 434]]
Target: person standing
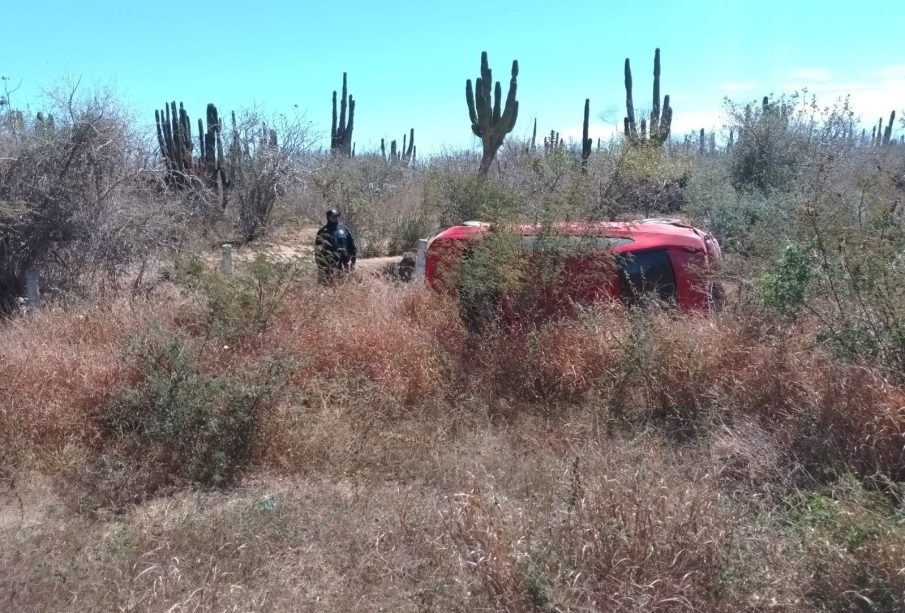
[[334, 249]]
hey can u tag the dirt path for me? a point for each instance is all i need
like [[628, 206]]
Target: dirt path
[[289, 244]]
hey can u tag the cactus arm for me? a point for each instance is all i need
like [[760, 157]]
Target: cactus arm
[[510, 113], [665, 121], [347, 133], [333, 124], [472, 113], [160, 139]]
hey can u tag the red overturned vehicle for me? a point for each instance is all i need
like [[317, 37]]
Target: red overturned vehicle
[[666, 260]]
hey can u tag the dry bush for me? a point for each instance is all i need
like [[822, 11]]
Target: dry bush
[[382, 334], [299, 545], [621, 539], [852, 544], [78, 203], [749, 461], [560, 360], [56, 367], [380, 201], [264, 162], [390, 406], [393, 350]]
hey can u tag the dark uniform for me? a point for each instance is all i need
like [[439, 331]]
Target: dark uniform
[[334, 249]]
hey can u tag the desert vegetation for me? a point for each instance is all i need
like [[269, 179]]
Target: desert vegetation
[[177, 438]]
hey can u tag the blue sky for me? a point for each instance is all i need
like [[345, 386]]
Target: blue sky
[[408, 61]]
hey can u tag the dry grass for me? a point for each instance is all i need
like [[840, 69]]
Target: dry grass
[[55, 369], [615, 462]]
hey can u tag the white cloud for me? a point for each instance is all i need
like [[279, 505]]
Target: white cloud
[[891, 72], [685, 122], [872, 97], [738, 86], [811, 74]]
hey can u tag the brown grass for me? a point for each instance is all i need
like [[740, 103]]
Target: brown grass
[[614, 462]]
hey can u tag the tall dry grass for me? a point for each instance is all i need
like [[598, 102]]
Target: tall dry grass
[[614, 461]]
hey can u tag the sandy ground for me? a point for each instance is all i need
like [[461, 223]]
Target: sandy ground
[[288, 244]]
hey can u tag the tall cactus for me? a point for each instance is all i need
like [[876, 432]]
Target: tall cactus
[[660, 120], [210, 157], [887, 134], [341, 128], [174, 136], [408, 150], [491, 121], [586, 141]]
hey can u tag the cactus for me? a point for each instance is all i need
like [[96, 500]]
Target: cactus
[[585, 139], [174, 136], [491, 121], [408, 151], [341, 128], [660, 120], [210, 157], [534, 136], [552, 143], [406, 155], [887, 134]]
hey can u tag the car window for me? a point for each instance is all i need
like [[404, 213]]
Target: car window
[[646, 273]]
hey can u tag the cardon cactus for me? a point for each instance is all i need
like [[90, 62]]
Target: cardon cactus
[[552, 143], [174, 136], [887, 133], [210, 158], [406, 155], [491, 120], [657, 132], [341, 127]]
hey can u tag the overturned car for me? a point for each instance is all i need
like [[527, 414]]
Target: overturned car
[[652, 259]]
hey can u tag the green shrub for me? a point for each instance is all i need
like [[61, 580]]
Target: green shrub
[[785, 289], [407, 230], [852, 541], [772, 144], [196, 425], [243, 303], [460, 197]]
